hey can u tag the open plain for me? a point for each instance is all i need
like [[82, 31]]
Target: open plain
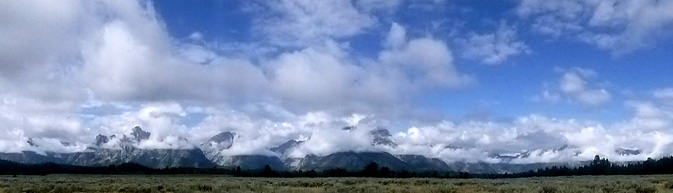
[[213, 183]]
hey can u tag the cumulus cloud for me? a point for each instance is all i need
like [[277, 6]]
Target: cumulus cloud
[[430, 60], [133, 60], [617, 26], [326, 75], [118, 58], [493, 48], [317, 20], [574, 85]]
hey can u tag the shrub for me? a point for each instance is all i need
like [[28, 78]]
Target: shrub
[[648, 189], [548, 189], [668, 185], [443, 189], [201, 187]]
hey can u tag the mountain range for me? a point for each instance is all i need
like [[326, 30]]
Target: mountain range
[[113, 149]]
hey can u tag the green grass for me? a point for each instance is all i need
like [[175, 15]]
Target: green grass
[[209, 183]]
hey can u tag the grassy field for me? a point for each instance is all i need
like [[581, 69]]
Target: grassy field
[[205, 183]]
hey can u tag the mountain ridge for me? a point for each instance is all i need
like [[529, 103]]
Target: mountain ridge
[[109, 150]]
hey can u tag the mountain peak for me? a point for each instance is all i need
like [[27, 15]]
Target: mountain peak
[[223, 140], [139, 134], [213, 147], [66, 143], [101, 139], [283, 149], [31, 142], [382, 137], [223, 137]]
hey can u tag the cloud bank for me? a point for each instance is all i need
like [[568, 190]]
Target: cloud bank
[[618, 26]]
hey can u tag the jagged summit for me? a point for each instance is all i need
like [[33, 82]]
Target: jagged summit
[[382, 137], [215, 145], [285, 148], [101, 139], [31, 142], [139, 134], [226, 137], [223, 140]]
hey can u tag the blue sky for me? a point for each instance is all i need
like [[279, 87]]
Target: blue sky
[[481, 73], [503, 90]]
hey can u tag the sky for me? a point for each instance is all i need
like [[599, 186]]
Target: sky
[[451, 79]]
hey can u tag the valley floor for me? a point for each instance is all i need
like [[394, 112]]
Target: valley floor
[[210, 183]]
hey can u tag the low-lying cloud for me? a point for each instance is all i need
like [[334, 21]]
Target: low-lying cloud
[[533, 138]]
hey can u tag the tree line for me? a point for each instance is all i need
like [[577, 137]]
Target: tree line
[[599, 166], [602, 166], [370, 170]]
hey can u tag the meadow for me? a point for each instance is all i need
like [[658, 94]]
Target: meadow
[[214, 183]]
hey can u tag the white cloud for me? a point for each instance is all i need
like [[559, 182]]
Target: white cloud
[[429, 58], [373, 5], [23, 118], [594, 97], [325, 76], [326, 140], [397, 36], [544, 139], [574, 85], [300, 22], [665, 95], [110, 54], [162, 120], [29, 28], [313, 77], [649, 116], [548, 96], [617, 26], [133, 60], [493, 48]]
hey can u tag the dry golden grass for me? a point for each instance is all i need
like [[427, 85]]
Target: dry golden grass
[[209, 183]]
